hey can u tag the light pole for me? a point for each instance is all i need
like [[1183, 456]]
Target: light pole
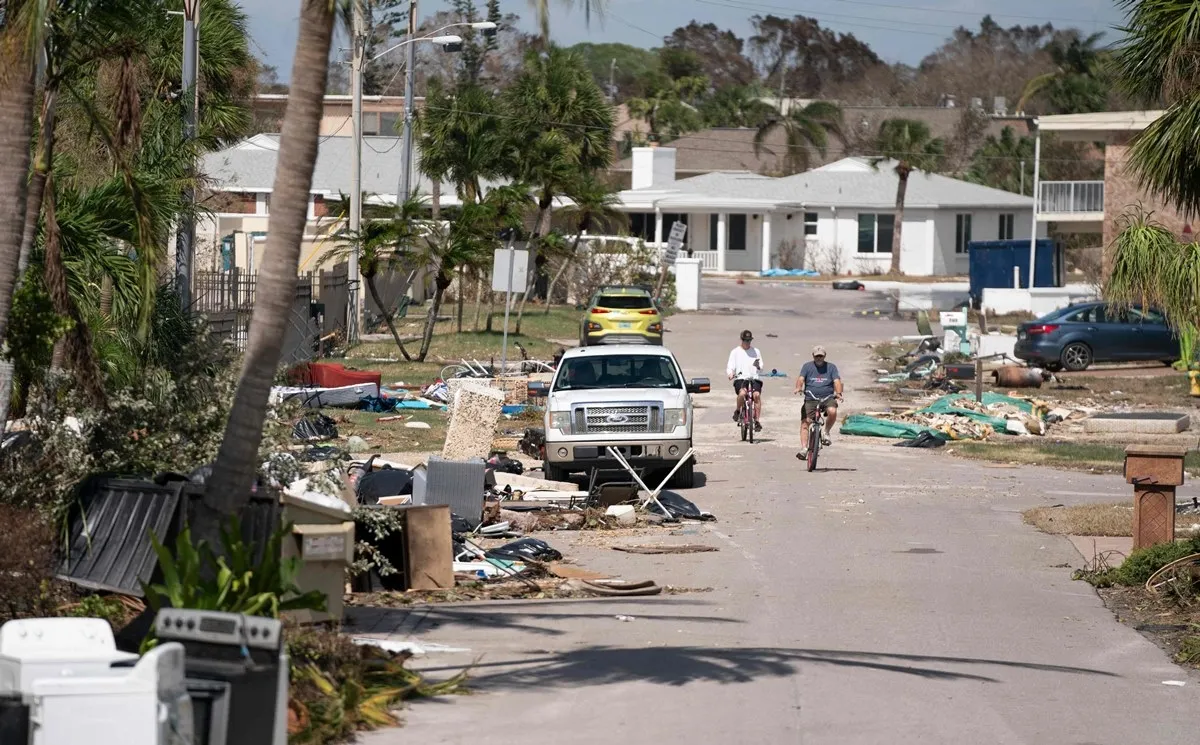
[[358, 61]]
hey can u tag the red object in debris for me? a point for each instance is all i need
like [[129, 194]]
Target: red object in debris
[[1187, 233], [331, 375], [741, 281], [1043, 328]]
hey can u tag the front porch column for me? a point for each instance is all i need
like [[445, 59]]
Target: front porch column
[[658, 227], [768, 217], [722, 240]]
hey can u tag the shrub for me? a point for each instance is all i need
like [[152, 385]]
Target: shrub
[[1142, 564], [27, 585]]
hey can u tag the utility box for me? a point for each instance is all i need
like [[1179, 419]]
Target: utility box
[[323, 540], [1154, 471]]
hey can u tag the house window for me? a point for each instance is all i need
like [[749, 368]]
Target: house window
[[1006, 226], [737, 232], [370, 123], [875, 233], [234, 202], [641, 224], [810, 223], [962, 233]]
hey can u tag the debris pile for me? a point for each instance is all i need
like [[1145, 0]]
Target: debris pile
[[956, 417]]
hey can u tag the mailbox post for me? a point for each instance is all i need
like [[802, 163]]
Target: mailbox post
[[1154, 471]]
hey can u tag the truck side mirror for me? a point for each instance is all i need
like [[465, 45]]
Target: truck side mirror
[[699, 385]]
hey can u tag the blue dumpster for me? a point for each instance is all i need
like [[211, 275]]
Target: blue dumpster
[[991, 265]]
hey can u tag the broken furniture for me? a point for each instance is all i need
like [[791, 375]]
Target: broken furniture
[[428, 548], [323, 541], [652, 495], [63, 682], [459, 484], [236, 670], [1154, 471]]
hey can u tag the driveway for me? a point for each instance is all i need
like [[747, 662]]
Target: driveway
[[894, 596]]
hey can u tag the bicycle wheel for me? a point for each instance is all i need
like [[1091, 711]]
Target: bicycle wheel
[[814, 445], [749, 417], [744, 426]]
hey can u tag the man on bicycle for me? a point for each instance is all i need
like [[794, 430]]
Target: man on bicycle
[[821, 379], [744, 363]]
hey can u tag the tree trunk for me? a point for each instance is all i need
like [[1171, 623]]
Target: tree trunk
[[542, 215], [558, 275], [491, 310], [234, 470], [901, 188], [385, 311], [439, 288], [16, 123], [479, 280], [462, 291], [37, 180]]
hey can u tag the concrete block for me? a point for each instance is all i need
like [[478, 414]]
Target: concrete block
[[1141, 422], [473, 419]]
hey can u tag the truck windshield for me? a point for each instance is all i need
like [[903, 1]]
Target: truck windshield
[[624, 371]]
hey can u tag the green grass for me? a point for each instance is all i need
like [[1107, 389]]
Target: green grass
[[1101, 457], [1142, 564], [394, 437]]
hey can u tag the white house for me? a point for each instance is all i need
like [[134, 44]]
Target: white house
[[836, 219]]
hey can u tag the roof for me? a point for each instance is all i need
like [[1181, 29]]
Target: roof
[[1101, 121], [249, 166], [616, 350], [732, 149], [850, 182]]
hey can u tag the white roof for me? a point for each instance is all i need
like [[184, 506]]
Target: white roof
[[849, 183]]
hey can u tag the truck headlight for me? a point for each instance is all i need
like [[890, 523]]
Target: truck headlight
[[673, 418], [561, 420]]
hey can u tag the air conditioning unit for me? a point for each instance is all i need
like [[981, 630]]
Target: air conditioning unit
[[1000, 106], [976, 103]]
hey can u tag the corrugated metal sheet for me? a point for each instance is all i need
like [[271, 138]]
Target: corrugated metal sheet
[[109, 545]]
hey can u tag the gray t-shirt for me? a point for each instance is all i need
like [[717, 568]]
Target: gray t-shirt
[[819, 380]]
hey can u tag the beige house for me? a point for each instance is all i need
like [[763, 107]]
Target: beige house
[[382, 115], [1095, 207]]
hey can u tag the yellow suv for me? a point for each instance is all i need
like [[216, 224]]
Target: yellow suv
[[621, 314]]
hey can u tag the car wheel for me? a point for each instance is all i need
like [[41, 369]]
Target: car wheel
[[554, 473], [1076, 356], [685, 477]]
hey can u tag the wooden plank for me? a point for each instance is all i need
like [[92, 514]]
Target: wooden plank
[[518, 481], [428, 548]]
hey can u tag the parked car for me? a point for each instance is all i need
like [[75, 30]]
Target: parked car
[[619, 314], [1074, 337]]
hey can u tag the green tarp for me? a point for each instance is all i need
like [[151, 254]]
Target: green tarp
[[946, 405], [869, 426]]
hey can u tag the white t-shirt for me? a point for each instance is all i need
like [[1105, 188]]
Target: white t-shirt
[[741, 363]]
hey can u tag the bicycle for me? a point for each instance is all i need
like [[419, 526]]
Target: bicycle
[[746, 414], [816, 427]]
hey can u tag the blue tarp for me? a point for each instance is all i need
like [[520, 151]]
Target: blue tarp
[[790, 273]]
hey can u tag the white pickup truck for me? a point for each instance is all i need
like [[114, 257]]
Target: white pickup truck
[[631, 397]]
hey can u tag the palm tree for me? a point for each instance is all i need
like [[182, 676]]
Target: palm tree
[[805, 130], [1150, 267], [911, 147], [542, 10], [668, 111], [384, 244], [462, 138], [1076, 85], [19, 36], [233, 472], [737, 106], [561, 126], [593, 202], [1157, 65]]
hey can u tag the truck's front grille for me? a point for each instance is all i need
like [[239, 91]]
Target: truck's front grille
[[624, 419]]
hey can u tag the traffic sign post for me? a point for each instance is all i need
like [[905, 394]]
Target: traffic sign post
[[510, 273]]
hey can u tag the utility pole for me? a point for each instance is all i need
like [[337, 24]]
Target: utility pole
[[185, 243], [612, 79], [1022, 178], [409, 75], [358, 45]]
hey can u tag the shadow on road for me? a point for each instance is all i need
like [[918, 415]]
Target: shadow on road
[[522, 617], [677, 666]]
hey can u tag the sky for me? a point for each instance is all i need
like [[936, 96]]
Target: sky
[[897, 31]]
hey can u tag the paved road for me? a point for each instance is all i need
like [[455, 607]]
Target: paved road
[[892, 597]]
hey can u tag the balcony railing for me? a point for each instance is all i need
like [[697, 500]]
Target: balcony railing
[[1071, 197]]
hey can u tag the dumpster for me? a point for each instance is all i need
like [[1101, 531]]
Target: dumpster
[[991, 265]]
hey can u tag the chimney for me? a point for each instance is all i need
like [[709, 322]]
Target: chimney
[[1000, 106], [653, 167]]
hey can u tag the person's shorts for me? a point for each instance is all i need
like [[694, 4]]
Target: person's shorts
[[810, 406], [755, 385]]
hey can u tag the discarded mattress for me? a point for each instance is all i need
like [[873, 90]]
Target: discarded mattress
[[331, 375], [316, 397]]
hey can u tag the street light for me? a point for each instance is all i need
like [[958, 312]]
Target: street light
[[449, 43]]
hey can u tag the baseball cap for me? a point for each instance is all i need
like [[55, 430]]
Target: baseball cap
[[747, 336], [818, 351]]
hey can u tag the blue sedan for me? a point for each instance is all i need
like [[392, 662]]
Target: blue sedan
[[1074, 337]]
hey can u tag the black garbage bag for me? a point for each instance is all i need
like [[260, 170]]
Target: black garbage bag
[[315, 426], [852, 284], [525, 549], [923, 440], [679, 508], [460, 525], [384, 482], [504, 464], [318, 453]]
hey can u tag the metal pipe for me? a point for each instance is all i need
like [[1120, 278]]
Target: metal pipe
[[1033, 231], [358, 47]]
